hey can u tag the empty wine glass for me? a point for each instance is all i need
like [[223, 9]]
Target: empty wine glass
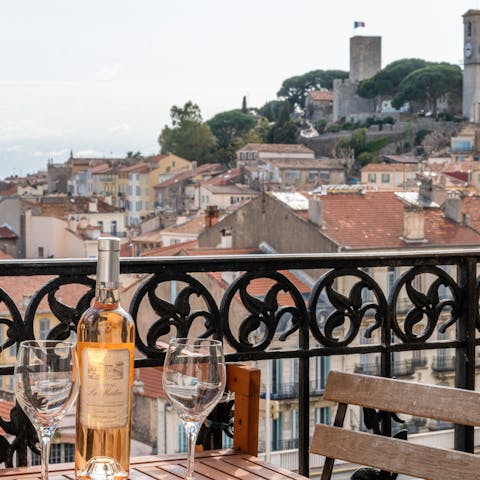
[[194, 381], [46, 386]]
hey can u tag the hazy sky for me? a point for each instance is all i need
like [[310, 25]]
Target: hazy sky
[[100, 76]]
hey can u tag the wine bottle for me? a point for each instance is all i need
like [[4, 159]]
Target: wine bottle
[[105, 342]]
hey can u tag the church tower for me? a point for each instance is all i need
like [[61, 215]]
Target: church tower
[[471, 62]]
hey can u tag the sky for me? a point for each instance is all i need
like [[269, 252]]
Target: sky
[[98, 77]]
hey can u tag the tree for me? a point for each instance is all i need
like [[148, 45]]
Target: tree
[[429, 84], [284, 129], [385, 83], [244, 104], [228, 126], [229, 129], [189, 137], [295, 89], [271, 110]]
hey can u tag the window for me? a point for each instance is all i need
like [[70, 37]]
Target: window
[[138, 206], [322, 367], [325, 175], [182, 439], [59, 453], [372, 177], [295, 426], [138, 191], [385, 178], [113, 227], [100, 224], [367, 294], [41, 252], [277, 375], [312, 177], [469, 29], [44, 328], [398, 178], [462, 145], [292, 175], [391, 277], [322, 415], [277, 432]]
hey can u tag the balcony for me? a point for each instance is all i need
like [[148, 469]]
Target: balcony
[[203, 307], [442, 364]]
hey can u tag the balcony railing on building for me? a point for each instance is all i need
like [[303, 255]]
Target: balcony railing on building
[[179, 296]]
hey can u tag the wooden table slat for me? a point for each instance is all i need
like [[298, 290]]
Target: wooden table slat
[[211, 465]]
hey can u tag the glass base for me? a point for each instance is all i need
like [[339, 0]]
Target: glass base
[[102, 468]]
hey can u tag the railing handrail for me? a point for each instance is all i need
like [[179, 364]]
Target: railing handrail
[[306, 323]]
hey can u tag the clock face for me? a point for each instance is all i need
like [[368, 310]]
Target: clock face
[[468, 50]]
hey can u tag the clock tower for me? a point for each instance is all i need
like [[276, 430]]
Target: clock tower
[[471, 62]]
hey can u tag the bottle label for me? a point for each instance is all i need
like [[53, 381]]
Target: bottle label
[[105, 387]]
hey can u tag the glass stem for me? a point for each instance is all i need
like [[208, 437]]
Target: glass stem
[[45, 434], [191, 430]]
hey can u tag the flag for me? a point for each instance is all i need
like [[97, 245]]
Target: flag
[[357, 24]]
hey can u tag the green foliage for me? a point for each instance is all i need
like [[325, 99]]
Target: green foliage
[[294, 89], [228, 126], [229, 129], [364, 150], [420, 135], [284, 130], [387, 80], [428, 84], [244, 104], [271, 110], [320, 125], [189, 137]]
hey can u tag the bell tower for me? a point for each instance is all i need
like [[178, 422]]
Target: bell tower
[[471, 62]]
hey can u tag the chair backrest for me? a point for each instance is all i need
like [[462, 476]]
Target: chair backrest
[[390, 454], [244, 381]]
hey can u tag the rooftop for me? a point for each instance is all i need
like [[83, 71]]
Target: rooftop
[[275, 148]]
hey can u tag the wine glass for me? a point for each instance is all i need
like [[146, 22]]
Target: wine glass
[[46, 385], [194, 381]]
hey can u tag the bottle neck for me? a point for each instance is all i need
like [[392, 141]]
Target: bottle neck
[[108, 277]]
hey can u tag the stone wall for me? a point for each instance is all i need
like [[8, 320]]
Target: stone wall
[[346, 101], [365, 57]]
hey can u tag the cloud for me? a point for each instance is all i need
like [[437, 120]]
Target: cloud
[[121, 129], [89, 153], [108, 72], [51, 154], [13, 148]]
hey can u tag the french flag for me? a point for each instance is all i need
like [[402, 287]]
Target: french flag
[[357, 24]]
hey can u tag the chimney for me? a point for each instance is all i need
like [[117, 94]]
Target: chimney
[[315, 211], [226, 240], [211, 216], [413, 224], [92, 206], [453, 209]]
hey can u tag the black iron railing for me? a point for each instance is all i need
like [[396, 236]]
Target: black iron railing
[[329, 323]]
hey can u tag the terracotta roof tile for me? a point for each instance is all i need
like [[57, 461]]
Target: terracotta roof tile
[[375, 220], [20, 291], [152, 382], [390, 167], [276, 148], [321, 95], [6, 232]]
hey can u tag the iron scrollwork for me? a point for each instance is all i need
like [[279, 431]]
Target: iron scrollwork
[[176, 314], [426, 307], [264, 316], [343, 309]]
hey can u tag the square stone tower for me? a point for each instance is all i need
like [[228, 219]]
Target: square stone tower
[[471, 62], [365, 57]]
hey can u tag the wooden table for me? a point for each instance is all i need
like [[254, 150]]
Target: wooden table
[[212, 465]]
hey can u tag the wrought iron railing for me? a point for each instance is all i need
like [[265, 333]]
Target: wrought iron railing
[[330, 323]]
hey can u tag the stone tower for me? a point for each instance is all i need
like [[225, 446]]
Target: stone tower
[[365, 57], [471, 61], [365, 62]]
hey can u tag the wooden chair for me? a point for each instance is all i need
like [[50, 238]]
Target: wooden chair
[[390, 454], [244, 382]]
